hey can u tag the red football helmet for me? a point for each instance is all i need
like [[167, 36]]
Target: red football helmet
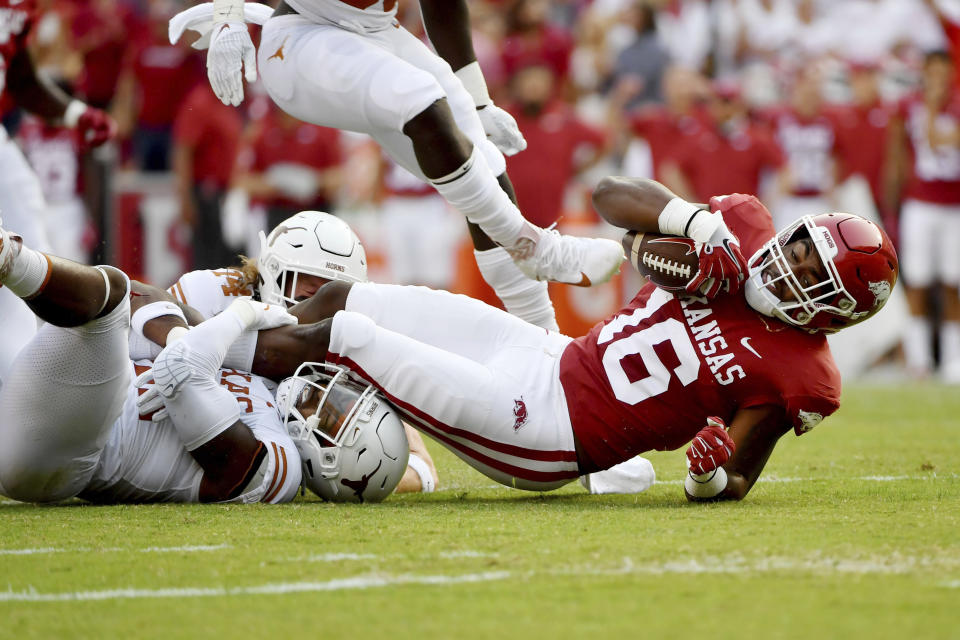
[[861, 267]]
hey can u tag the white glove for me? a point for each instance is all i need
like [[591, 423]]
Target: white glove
[[256, 316], [502, 129], [230, 48], [199, 18], [150, 401]]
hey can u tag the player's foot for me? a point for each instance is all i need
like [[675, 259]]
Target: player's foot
[[558, 258], [10, 244]]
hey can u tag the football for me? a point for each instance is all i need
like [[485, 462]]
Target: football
[[670, 262]]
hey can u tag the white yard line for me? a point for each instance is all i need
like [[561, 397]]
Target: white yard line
[[340, 584], [183, 549], [812, 564]]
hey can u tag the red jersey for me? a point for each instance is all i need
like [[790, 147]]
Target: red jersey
[[664, 131], [743, 154], [16, 20], [541, 175], [212, 130], [862, 142], [648, 377], [934, 171], [808, 145]]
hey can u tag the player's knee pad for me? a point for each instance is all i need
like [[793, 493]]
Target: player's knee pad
[[351, 332], [400, 92]]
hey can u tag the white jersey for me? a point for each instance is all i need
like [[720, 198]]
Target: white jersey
[[210, 291], [145, 461]]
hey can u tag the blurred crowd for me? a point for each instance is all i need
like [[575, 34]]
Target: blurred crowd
[[811, 104]]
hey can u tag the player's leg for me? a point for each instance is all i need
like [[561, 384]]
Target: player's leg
[[68, 385], [337, 78], [507, 418], [918, 233], [455, 323], [22, 207]]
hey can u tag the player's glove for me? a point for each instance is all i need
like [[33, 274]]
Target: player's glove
[[256, 316], [710, 449], [230, 49], [722, 264], [94, 126], [502, 129], [150, 402]]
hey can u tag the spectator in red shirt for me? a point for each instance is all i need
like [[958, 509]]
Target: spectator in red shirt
[[289, 165], [156, 78], [807, 133], [102, 31], [729, 154], [862, 134], [205, 138], [532, 39], [664, 126], [559, 145], [925, 155]]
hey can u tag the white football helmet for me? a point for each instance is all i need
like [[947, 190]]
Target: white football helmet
[[351, 442], [313, 243]]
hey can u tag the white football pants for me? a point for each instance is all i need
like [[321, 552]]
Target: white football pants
[[480, 381], [66, 388], [372, 82]]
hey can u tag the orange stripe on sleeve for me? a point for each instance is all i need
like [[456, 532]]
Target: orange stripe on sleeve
[[283, 476]]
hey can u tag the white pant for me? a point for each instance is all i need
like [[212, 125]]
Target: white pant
[[65, 390], [930, 243], [482, 382], [373, 83], [22, 209]]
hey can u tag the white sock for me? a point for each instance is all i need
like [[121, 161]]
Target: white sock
[[950, 343], [473, 190], [917, 347], [525, 298], [29, 273]]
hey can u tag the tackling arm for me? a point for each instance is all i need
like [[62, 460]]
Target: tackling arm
[[755, 432]]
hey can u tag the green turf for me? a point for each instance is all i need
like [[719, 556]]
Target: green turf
[[853, 532]]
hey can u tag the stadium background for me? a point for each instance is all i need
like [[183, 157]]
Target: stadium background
[[601, 87]]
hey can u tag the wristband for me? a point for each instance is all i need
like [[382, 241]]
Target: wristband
[[71, 115], [706, 485], [418, 464], [154, 310], [472, 78], [227, 11], [175, 334], [682, 218]]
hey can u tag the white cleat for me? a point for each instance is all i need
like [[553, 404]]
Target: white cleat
[[569, 259], [10, 244]]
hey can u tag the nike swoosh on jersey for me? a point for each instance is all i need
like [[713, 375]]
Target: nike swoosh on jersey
[[745, 341]]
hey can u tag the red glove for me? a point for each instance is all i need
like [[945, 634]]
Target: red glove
[[711, 448], [721, 262], [95, 127]]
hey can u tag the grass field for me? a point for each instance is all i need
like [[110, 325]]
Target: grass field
[[852, 532]]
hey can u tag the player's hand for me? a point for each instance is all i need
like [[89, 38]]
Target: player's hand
[[230, 50], [502, 129], [95, 127], [710, 449], [150, 402], [722, 264], [257, 316]]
